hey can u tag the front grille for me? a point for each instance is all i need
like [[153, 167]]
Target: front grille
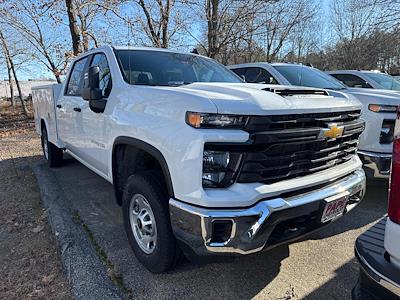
[[285, 147]]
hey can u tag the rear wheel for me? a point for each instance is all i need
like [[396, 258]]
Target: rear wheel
[[52, 154], [147, 223]]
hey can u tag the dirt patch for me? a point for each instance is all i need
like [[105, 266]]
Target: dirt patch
[[13, 121], [29, 262]]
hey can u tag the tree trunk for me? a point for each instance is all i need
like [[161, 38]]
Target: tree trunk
[[25, 110], [10, 82], [73, 27], [11, 63], [212, 23]]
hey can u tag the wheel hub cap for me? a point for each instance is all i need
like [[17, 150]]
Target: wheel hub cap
[[143, 223]]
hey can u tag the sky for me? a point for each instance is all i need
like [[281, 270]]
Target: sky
[[35, 70]]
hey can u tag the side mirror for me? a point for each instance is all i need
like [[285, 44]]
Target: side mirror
[[91, 90], [243, 77]]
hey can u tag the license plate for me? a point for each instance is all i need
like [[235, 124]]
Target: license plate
[[334, 209]]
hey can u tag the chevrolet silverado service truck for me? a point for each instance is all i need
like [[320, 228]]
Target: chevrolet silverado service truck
[[201, 162]]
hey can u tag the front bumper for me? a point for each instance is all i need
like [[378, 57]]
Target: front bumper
[[378, 163], [270, 222], [379, 278]]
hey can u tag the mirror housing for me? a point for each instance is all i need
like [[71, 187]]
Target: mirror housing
[[91, 90]]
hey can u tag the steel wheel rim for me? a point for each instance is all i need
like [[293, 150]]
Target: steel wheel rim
[[45, 146], [143, 223]]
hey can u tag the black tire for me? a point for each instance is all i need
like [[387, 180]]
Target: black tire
[[166, 253], [54, 154]]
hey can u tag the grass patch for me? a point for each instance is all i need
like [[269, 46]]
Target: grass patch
[[114, 276]]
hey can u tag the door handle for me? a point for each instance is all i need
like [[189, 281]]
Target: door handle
[[77, 109], [58, 106]]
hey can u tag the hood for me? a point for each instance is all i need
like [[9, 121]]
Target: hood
[[375, 96], [255, 99]]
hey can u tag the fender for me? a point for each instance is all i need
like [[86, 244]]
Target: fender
[[154, 152]]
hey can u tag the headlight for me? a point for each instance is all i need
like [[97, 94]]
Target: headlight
[[205, 120], [382, 108], [219, 168]]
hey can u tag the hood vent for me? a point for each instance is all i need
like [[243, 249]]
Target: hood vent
[[294, 91]]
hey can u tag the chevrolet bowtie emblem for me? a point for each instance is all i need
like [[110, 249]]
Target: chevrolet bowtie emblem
[[333, 132]]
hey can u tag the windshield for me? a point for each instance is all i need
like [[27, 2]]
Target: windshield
[[158, 68], [306, 76], [386, 81]]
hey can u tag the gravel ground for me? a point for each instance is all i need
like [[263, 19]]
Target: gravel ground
[[29, 262]]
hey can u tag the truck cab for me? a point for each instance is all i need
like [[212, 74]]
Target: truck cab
[[201, 162]]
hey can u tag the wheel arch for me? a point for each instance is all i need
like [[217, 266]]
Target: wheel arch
[[147, 148]]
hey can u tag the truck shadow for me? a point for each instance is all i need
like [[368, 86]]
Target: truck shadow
[[371, 209], [92, 198], [340, 285]]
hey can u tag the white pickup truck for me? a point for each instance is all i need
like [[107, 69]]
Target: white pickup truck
[[201, 162]]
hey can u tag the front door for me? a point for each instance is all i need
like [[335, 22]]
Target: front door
[[66, 106], [93, 129]]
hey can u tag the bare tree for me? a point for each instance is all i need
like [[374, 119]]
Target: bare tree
[[11, 66], [73, 27], [31, 21], [157, 30], [282, 19], [226, 24], [81, 16], [353, 19], [9, 73]]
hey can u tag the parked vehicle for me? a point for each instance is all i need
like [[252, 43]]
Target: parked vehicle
[[379, 107], [366, 79], [200, 161], [378, 249]]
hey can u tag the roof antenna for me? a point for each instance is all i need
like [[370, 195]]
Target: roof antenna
[[194, 51]]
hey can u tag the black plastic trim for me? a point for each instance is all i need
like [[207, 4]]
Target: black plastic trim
[[124, 140]]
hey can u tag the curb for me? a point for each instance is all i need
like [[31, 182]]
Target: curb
[[84, 270]]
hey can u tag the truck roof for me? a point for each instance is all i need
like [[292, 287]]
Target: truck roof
[[141, 48]]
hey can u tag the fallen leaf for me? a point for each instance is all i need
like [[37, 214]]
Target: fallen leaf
[[38, 229]]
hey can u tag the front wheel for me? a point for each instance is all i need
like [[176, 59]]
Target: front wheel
[[52, 154], [147, 223]]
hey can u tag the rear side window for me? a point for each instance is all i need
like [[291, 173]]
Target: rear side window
[[100, 61], [256, 75], [352, 80], [75, 80], [240, 72]]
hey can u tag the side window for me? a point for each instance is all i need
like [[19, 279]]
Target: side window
[[240, 72], [100, 61], [259, 75], [352, 80], [76, 78]]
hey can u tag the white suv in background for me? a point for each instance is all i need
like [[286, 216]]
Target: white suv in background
[[378, 249], [366, 79], [379, 106]]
